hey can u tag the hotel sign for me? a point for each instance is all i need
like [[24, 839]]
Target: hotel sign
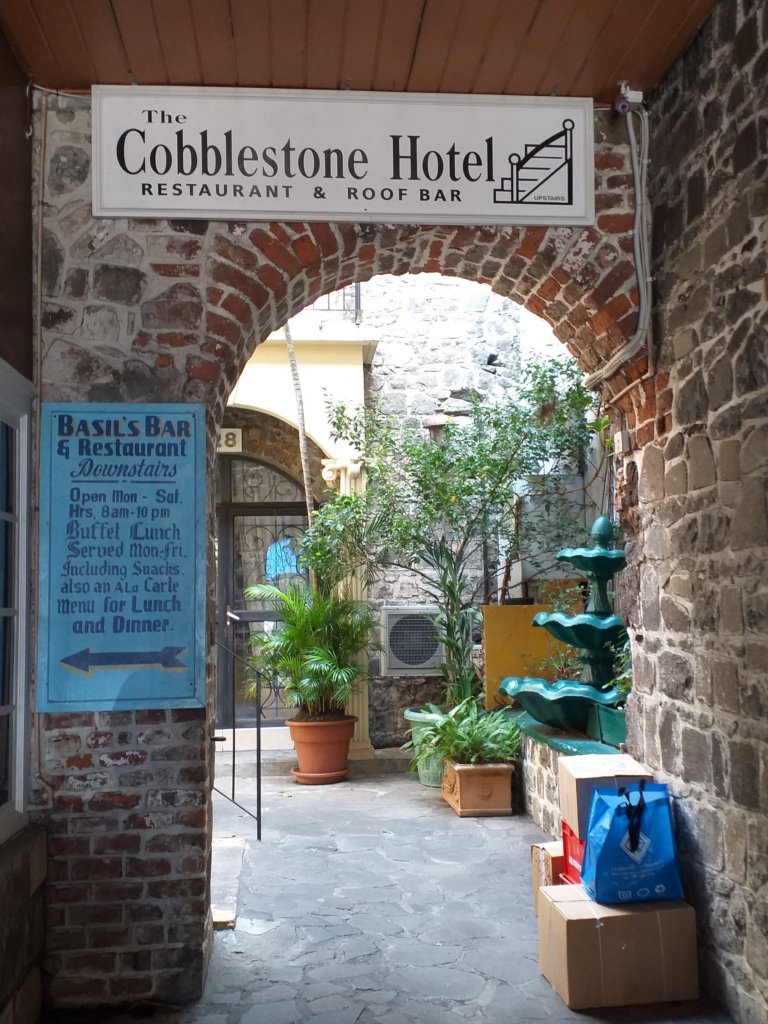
[[257, 154], [122, 557]]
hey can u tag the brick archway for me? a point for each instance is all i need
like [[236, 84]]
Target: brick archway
[[170, 311], [229, 286], [580, 281]]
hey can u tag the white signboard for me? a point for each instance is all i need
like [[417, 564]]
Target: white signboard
[[263, 154]]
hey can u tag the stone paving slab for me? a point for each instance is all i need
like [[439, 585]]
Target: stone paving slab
[[225, 879], [371, 902]]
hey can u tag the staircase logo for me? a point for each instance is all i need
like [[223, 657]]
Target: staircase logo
[[544, 174]]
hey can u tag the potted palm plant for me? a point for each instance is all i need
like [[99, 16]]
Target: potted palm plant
[[477, 750], [316, 656]]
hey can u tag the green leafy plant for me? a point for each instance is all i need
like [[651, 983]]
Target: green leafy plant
[[315, 653], [441, 509], [467, 735], [564, 663], [622, 679]]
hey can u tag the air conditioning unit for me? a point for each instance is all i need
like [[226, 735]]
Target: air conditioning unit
[[410, 642]]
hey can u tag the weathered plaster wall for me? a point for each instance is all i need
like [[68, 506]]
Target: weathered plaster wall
[[695, 499]]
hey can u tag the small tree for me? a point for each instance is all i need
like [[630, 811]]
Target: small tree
[[431, 507]]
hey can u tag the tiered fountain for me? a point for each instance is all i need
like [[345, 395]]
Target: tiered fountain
[[566, 704]]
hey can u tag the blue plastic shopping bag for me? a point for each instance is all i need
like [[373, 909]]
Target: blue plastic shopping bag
[[630, 853]]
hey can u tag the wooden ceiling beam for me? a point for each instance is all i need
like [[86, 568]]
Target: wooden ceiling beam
[[546, 36], [362, 34], [215, 43], [398, 39], [474, 29], [289, 44], [176, 32], [627, 18], [66, 41], [563, 67], [433, 45], [325, 44], [496, 47], [102, 38], [253, 50], [136, 21], [30, 43], [510, 29]]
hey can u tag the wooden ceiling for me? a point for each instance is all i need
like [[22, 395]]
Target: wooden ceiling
[[501, 47]]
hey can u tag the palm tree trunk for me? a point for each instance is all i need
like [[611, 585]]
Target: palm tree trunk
[[303, 451]]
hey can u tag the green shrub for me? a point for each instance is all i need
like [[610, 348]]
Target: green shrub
[[468, 735]]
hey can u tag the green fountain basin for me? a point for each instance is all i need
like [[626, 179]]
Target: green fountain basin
[[564, 705], [587, 631], [602, 562]]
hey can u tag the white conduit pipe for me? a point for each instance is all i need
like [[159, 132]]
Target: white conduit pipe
[[640, 246]]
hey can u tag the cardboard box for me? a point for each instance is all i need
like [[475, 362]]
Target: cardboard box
[[594, 955], [547, 864], [580, 773]]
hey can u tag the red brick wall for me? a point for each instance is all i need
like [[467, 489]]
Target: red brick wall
[[127, 894]]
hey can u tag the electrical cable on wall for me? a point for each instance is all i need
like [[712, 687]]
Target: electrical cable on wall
[[629, 103]]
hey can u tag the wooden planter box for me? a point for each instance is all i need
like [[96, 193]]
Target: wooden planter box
[[475, 790]]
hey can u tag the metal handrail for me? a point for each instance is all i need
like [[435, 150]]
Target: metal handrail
[[218, 739]]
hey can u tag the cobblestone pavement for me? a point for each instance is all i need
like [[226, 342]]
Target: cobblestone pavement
[[371, 902]]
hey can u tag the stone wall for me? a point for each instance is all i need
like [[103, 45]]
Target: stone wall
[[387, 700], [694, 500], [440, 343], [542, 795]]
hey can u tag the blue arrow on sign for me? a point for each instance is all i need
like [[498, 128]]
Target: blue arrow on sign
[[87, 661]]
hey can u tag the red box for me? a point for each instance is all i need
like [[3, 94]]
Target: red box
[[573, 851]]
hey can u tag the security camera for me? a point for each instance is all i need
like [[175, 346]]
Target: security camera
[[628, 99]]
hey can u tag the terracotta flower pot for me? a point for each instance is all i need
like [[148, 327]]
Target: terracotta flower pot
[[322, 750], [475, 790]]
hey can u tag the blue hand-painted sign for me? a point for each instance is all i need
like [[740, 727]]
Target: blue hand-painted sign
[[122, 557]]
